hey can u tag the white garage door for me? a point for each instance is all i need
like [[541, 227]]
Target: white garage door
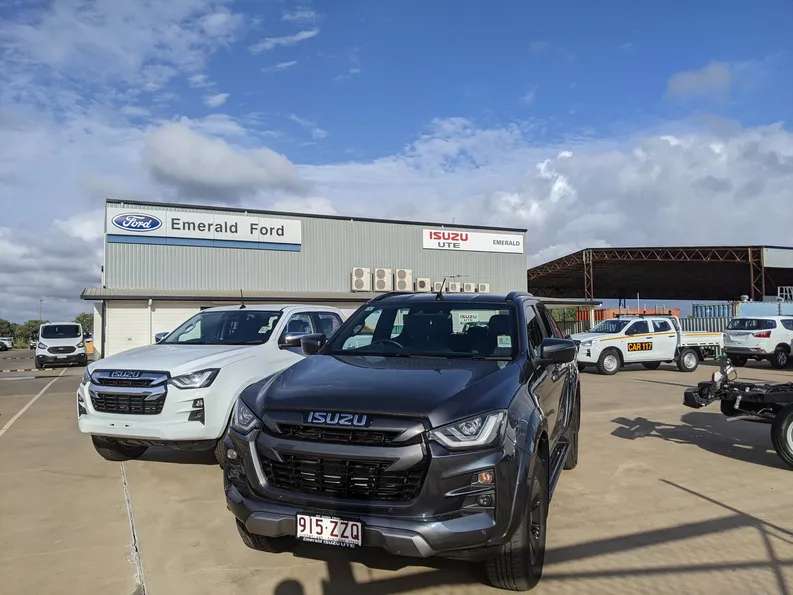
[[127, 326], [166, 316]]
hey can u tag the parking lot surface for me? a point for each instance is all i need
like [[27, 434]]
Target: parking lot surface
[[665, 499]]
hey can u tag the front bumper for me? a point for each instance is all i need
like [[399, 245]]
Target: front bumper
[[442, 520], [588, 355], [747, 351], [69, 358]]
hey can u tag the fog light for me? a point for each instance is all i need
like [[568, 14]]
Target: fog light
[[485, 500], [231, 454], [486, 477], [198, 403]]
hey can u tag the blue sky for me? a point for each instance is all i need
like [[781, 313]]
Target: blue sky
[[589, 123]]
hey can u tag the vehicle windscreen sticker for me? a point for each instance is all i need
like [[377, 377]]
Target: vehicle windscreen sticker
[[504, 341], [643, 346]]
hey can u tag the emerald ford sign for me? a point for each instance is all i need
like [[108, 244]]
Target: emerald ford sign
[[472, 241], [224, 229]]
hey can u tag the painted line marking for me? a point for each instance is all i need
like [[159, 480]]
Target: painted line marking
[[21, 412], [20, 378], [140, 581]]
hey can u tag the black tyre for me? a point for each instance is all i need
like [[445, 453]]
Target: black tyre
[[728, 407], [609, 362], [780, 358], [782, 434], [261, 543], [687, 360], [571, 462], [518, 564], [581, 367], [220, 453], [738, 361], [113, 450], [651, 365], [37, 365]]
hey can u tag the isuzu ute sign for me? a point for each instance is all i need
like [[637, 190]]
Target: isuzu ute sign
[[204, 226], [472, 241]]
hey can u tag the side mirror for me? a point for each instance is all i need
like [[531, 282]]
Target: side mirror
[[557, 351], [312, 343], [290, 340], [160, 336]]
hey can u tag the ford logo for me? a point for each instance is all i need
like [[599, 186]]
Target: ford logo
[[336, 419], [137, 222]]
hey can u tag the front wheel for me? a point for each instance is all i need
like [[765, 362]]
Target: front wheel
[[113, 450], [609, 362], [782, 434], [780, 358], [518, 564], [687, 361]]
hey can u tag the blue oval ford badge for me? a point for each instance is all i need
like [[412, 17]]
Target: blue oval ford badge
[[137, 222]]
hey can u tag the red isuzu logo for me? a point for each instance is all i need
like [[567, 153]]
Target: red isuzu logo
[[449, 236]]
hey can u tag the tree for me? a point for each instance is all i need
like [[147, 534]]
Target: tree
[[86, 320], [7, 328], [29, 329]]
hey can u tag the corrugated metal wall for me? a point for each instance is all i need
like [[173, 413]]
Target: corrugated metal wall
[[330, 249]]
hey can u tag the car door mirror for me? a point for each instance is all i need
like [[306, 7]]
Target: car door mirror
[[158, 338], [290, 340], [557, 351], [312, 343]]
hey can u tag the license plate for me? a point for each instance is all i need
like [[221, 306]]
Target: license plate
[[329, 530], [61, 356]]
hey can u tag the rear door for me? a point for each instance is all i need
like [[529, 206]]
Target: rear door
[[664, 340]]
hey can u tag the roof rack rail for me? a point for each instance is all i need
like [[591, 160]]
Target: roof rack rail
[[382, 296], [513, 294]]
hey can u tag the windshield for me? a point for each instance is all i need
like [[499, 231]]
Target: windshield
[[610, 326], [434, 329], [750, 324], [226, 327], [60, 331]]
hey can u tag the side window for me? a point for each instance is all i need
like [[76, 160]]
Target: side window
[[662, 326], [327, 322], [640, 327], [788, 324], [363, 334], [534, 332], [550, 323], [299, 323]]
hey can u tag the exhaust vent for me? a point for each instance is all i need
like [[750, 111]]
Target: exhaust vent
[[423, 284], [469, 287], [383, 280], [403, 280], [483, 287], [453, 286]]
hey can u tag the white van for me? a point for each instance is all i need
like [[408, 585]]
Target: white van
[[60, 343]]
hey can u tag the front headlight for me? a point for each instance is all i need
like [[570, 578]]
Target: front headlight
[[86, 377], [586, 343], [242, 418], [473, 432], [41, 346], [81, 344], [200, 379]]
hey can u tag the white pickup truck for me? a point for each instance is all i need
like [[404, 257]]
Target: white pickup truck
[[648, 340], [180, 392]]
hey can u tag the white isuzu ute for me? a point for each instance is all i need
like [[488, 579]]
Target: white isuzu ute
[[180, 392], [648, 340]]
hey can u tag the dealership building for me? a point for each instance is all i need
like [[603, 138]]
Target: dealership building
[[165, 262]]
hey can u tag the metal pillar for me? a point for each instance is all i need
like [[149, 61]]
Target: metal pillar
[[588, 281], [756, 274]]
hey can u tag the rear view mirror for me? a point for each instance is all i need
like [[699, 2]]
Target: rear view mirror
[[160, 336], [557, 351], [290, 340], [311, 344]]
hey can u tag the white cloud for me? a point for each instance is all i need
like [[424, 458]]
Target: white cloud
[[529, 96], [316, 132], [713, 80], [195, 164], [216, 100], [269, 43], [199, 81], [300, 15], [280, 66]]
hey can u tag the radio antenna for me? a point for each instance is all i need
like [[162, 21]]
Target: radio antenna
[[242, 301], [439, 295]]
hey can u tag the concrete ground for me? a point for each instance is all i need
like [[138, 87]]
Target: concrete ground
[[665, 499]]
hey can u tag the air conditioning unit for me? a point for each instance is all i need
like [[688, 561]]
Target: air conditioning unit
[[361, 279], [453, 287], [483, 287], [423, 284], [436, 287], [403, 280], [383, 280], [469, 287]]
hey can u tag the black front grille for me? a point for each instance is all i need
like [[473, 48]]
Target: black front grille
[[134, 382], [133, 404], [63, 349], [344, 478], [337, 435]]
